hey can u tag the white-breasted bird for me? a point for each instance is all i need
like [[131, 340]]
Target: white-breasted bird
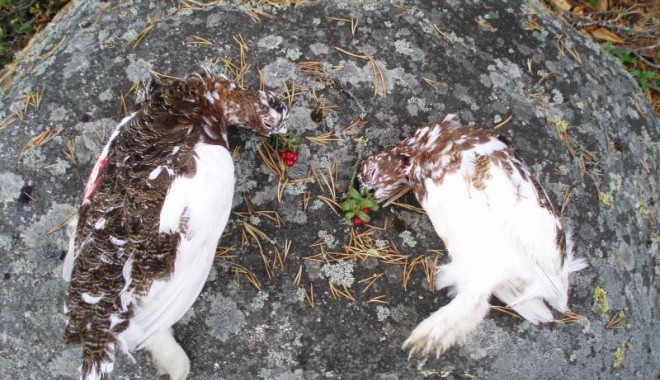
[[152, 213], [498, 225]]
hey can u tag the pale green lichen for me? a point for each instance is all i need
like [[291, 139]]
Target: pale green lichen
[[607, 198], [340, 273], [382, 313], [328, 239], [620, 354], [408, 239], [260, 299], [562, 125], [10, 186], [224, 318], [600, 298]]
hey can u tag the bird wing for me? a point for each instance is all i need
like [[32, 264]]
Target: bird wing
[[197, 208], [521, 210], [93, 182]]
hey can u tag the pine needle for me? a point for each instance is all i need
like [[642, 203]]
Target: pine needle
[[503, 123], [380, 85], [324, 139]]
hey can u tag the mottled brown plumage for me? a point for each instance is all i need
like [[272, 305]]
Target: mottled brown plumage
[[120, 215]]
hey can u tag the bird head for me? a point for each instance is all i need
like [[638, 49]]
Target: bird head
[[386, 174], [227, 104]]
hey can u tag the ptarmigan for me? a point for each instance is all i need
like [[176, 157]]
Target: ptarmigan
[[153, 210], [498, 225]]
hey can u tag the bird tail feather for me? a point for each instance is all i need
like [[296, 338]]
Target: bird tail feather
[[97, 363]]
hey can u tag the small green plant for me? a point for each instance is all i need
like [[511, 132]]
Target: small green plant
[[287, 148], [645, 78], [356, 208], [624, 56]]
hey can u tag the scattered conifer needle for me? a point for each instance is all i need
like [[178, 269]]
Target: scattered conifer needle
[[431, 82], [70, 151], [503, 123], [354, 26], [485, 25], [197, 40], [355, 124], [506, 310], [52, 50], [615, 321], [137, 39], [408, 207], [403, 10], [546, 77], [310, 296], [7, 122], [576, 55], [41, 139], [62, 223], [223, 252], [380, 85], [298, 278], [378, 299], [569, 317], [262, 81], [566, 199], [159, 76], [323, 139], [334, 206], [531, 24], [370, 281], [446, 35]]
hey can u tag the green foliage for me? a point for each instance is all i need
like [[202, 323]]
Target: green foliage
[[285, 142], [22, 19], [356, 203], [624, 56], [644, 78]]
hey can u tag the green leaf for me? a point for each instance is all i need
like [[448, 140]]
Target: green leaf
[[365, 218], [349, 215], [348, 206], [642, 78], [354, 193], [369, 203]]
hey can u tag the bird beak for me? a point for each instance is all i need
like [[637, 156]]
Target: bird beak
[[396, 195]]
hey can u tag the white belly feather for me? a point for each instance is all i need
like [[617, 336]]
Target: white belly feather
[[498, 238], [205, 199]]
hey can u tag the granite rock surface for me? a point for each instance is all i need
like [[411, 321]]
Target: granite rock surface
[[378, 70]]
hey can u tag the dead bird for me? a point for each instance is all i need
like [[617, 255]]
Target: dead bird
[[499, 227], [152, 213]]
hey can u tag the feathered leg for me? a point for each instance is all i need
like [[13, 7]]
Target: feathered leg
[[168, 356], [449, 325]]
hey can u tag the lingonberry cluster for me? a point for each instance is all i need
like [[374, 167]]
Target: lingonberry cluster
[[356, 208]]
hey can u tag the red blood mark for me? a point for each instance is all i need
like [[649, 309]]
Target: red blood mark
[[94, 180]]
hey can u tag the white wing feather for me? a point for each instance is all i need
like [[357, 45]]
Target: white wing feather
[[206, 200]]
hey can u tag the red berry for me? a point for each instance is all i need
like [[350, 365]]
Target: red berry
[[289, 157], [358, 222], [365, 210]]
